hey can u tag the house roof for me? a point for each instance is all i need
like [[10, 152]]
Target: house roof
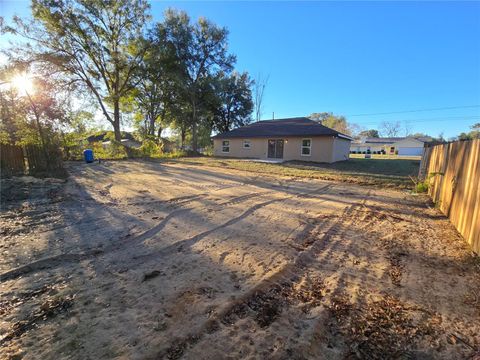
[[299, 126]]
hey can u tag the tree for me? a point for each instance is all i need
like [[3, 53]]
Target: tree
[[234, 101], [202, 51], [418, 134], [258, 94], [390, 129], [372, 133], [157, 84], [29, 116], [335, 122], [93, 42], [474, 134]]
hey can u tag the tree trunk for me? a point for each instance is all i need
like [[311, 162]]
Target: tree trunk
[[116, 120], [40, 131], [159, 134], [194, 127], [182, 135], [151, 129]]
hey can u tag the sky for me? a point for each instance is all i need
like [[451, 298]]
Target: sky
[[368, 61]]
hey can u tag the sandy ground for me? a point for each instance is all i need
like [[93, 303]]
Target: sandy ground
[[142, 260]]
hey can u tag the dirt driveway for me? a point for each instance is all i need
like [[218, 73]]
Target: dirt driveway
[[144, 260]]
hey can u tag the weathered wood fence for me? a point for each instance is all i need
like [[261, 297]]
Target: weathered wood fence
[[30, 160], [453, 173]]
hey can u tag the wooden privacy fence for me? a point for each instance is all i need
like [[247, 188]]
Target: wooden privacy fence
[[12, 160], [30, 160], [453, 173]]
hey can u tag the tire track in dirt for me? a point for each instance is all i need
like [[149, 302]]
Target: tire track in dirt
[[47, 263], [180, 245], [55, 261], [285, 278]]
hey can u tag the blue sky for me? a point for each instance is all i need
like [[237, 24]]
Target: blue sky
[[354, 57]]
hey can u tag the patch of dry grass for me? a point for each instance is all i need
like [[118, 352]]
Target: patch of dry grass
[[378, 172]]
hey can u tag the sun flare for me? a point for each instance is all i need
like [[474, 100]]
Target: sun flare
[[23, 83]]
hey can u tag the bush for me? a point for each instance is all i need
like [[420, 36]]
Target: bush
[[421, 187], [150, 148], [113, 150], [208, 150]]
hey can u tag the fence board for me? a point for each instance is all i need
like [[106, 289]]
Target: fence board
[[30, 160], [12, 161], [453, 171]]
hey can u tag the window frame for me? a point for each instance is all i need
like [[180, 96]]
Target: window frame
[[225, 146], [306, 147], [249, 144]]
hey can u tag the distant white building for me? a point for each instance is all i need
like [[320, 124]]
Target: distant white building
[[402, 146]]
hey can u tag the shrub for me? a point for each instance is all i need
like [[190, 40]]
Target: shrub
[[150, 148], [421, 187], [113, 150]]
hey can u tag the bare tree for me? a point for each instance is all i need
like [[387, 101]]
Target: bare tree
[[390, 129], [258, 93], [407, 128]]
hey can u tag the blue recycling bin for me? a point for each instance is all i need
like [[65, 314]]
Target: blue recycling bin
[[88, 155]]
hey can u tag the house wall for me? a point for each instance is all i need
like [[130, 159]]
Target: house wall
[[409, 147], [323, 149], [408, 143], [361, 148], [341, 149]]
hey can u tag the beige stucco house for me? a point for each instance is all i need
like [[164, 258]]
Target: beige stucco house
[[284, 139]]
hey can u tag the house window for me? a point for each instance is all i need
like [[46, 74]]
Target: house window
[[306, 147], [225, 146], [246, 144]]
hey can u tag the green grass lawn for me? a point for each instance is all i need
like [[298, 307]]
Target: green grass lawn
[[381, 172]]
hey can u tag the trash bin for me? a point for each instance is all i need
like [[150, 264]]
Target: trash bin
[[88, 155]]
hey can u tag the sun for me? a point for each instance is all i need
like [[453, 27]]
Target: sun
[[23, 83]]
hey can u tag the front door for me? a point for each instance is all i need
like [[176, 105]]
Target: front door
[[275, 149]]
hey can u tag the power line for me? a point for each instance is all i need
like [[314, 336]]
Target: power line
[[418, 110]]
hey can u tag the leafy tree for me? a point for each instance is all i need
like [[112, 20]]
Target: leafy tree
[[30, 117], [158, 85], [472, 135], [336, 122], [234, 101], [92, 42], [372, 133], [418, 134], [202, 51]]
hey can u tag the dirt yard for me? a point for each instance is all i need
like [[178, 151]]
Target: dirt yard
[[145, 260]]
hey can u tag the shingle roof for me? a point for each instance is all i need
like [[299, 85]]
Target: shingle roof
[[300, 126]]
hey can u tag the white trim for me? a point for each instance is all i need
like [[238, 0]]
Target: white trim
[[309, 147], [249, 144], [345, 137]]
